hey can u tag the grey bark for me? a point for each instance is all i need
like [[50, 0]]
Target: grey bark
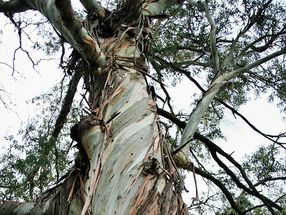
[[130, 167]]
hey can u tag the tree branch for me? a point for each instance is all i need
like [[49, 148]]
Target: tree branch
[[89, 48], [213, 148], [66, 105], [187, 74], [251, 21], [13, 6], [153, 8], [199, 111], [131, 10], [93, 6], [212, 39], [62, 16], [268, 203], [272, 38], [258, 62], [188, 165], [201, 108], [267, 136]]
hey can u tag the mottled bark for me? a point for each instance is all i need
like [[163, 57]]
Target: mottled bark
[[124, 145], [124, 166], [131, 171]]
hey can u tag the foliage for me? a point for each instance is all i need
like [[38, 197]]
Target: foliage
[[34, 160], [183, 40], [182, 48], [194, 41]]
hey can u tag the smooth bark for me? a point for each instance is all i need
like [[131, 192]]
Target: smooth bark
[[130, 169]]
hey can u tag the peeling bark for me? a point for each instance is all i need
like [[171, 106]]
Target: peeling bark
[[124, 164], [130, 169], [121, 179], [120, 150], [62, 16]]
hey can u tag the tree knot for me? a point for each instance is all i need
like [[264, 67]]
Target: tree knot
[[151, 166]]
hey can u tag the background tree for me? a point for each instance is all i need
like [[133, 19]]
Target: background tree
[[124, 164]]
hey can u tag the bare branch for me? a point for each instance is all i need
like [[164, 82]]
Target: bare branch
[[201, 108], [176, 68], [167, 98], [62, 16], [11, 67], [267, 136], [20, 31], [253, 191]]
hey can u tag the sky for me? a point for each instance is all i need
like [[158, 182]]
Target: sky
[[241, 140], [262, 114], [28, 83], [23, 84]]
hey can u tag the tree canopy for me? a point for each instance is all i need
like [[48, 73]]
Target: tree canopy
[[229, 50]]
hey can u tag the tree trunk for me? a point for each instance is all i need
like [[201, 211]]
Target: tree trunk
[[125, 165], [130, 169]]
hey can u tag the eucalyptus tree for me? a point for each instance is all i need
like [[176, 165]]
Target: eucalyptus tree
[[125, 165]]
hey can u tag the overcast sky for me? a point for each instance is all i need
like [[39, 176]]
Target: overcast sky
[[28, 83]]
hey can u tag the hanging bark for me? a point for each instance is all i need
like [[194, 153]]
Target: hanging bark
[[130, 167], [124, 165], [130, 170]]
